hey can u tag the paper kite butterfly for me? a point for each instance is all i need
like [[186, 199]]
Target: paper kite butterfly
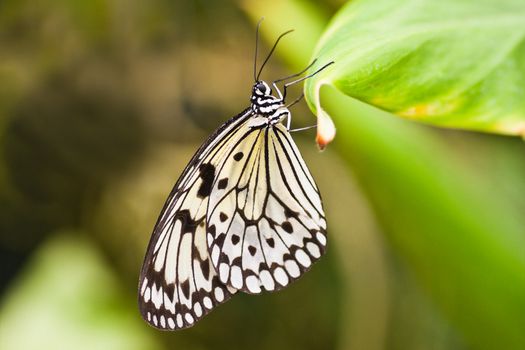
[[245, 215]]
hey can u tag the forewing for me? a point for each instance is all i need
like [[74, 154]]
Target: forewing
[[265, 219], [178, 284]]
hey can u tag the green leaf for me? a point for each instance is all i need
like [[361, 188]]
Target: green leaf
[[463, 241], [449, 63]]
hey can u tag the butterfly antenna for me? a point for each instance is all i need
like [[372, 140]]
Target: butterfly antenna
[[297, 74], [271, 52], [309, 75], [256, 48]]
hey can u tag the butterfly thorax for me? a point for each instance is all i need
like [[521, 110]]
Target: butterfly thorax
[[263, 104]]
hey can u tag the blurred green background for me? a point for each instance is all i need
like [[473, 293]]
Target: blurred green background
[[102, 103]]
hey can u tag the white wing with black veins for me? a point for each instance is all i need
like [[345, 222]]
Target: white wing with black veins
[[265, 220]]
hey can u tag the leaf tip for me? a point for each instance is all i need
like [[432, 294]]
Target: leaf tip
[[325, 125], [325, 129]]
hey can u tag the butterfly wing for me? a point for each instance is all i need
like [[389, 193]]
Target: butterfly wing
[[265, 219], [178, 284]]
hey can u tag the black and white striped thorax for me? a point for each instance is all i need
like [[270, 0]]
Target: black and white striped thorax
[[265, 104]]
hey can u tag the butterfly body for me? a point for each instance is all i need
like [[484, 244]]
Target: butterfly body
[[245, 215]]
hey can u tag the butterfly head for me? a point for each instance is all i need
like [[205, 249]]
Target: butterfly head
[[263, 102], [261, 88]]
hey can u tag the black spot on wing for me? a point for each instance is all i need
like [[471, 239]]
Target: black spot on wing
[[169, 288], [220, 239], [287, 227], [185, 287], [205, 267], [238, 156], [290, 213], [207, 174], [237, 261], [188, 224], [223, 258], [221, 185]]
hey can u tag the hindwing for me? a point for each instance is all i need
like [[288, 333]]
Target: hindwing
[[265, 220]]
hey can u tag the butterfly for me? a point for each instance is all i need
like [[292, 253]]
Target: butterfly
[[245, 215]]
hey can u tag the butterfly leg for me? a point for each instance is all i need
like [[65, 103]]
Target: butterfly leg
[[295, 101], [301, 129], [281, 97], [289, 120]]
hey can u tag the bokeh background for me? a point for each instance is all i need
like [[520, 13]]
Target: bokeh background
[[102, 104]]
